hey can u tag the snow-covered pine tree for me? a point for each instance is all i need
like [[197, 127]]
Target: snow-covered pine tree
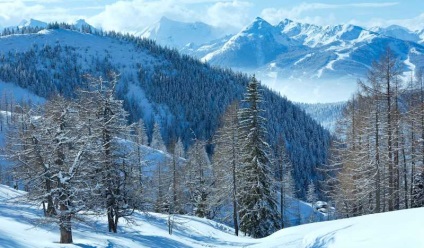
[[198, 178], [157, 141], [258, 208], [311, 196], [418, 190], [140, 134], [226, 163]]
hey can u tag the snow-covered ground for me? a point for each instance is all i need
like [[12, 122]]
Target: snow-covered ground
[[20, 226]]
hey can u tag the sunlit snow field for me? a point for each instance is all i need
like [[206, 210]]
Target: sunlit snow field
[[21, 225]]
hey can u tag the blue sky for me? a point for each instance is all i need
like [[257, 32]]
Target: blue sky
[[132, 15]]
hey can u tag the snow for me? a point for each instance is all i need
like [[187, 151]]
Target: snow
[[18, 229], [20, 226], [19, 94], [395, 229], [302, 59], [408, 63]]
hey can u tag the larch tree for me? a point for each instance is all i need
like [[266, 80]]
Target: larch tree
[[286, 186], [50, 155], [226, 163], [176, 190], [107, 123]]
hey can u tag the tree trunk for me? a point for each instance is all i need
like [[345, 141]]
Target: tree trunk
[[377, 163], [65, 225], [66, 232], [51, 211], [389, 146], [235, 201], [112, 223]]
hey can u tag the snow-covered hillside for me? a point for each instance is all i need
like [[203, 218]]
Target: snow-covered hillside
[[401, 33], [20, 226]]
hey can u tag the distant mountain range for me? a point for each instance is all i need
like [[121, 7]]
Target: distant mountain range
[[32, 23], [305, 62], [325, 61]]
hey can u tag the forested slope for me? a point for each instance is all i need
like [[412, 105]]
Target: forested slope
[[185, 96]]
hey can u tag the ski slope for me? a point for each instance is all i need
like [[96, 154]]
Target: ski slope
[[20, 226]]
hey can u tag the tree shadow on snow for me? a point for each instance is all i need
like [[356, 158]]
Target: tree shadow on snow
[[326, 240]]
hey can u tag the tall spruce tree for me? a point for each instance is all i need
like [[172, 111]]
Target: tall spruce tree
[[258, 209]]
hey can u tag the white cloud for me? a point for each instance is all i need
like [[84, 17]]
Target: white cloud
[[275, 15], [234, 14], [11, 12], [414, 24], [130, 16], [133, 15]]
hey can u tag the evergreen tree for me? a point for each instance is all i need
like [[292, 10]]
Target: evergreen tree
[[418, 191], [258, 208], [157, 141], [198, 179], [311, 196]]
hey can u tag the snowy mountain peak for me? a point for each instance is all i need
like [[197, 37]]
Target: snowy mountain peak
[[32, 23], [399, 32], [178, 34], [81, 24], [259, 24], [285, 22]]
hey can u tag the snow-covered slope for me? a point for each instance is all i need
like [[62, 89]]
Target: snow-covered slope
[[394, 229], [399, 32], [20, 226], [18, 95]]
